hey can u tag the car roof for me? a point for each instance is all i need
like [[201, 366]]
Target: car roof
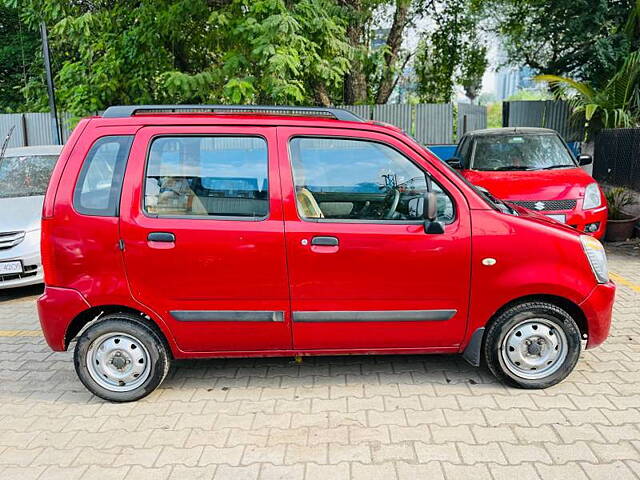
[[123, 111], [511, 131], [257, 115], [33, 150]]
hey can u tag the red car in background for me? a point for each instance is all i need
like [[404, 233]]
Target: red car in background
[[534, 168]]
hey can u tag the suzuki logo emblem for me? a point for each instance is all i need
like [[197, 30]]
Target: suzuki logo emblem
[[539, 205]]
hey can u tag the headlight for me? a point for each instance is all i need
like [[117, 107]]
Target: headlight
[[594, 251], [592, 197]]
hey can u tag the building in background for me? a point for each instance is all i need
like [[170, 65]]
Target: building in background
[[510, 80]]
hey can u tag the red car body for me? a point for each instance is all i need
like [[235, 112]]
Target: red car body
[[99, 264], [557, 192]]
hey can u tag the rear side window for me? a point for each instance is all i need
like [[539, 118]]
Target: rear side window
[[208, 176], [99, 185]]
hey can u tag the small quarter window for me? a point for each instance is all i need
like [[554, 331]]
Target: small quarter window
[[204, 176], [99, 186]]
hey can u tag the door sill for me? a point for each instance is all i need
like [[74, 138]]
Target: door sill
[[318, 352]]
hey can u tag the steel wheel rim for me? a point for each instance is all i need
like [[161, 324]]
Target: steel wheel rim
[[534, 349], [118, 362]]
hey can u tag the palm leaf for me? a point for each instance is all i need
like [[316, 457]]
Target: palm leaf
[[624, 84], [589, 110], [614, 106], [581, 87]]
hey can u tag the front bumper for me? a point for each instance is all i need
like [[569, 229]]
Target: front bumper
[[579, 219], [598, 308], [28, 252]]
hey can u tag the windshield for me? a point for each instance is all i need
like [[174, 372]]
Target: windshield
[[25, 176], [520, 152]]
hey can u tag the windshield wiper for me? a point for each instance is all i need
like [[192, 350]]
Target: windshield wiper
[[3, 149], [558, 166], [513, 167], [499, 204]]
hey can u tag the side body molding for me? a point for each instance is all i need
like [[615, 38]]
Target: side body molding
[[375, 316], [227, 316]]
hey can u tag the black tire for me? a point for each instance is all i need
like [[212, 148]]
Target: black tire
[[128, 324], [518, 315]]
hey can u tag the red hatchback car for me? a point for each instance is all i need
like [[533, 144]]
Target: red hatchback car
[[534, 168], [266, 231]]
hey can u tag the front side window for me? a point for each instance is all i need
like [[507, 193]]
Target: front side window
[[99, 186], [207, 176], [465, 151], [25, 175], [359, 180], [520, 152]]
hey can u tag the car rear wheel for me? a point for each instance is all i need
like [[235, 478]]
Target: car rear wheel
[[532, 345], [120, 358]]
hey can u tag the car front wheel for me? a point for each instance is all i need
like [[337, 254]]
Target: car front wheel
[[120, 358], [532, 345]]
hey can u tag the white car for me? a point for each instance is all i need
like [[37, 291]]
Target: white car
[[24, 176]]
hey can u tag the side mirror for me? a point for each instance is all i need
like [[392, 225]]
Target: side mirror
[[431, 224], [585, 160], [454, 162]]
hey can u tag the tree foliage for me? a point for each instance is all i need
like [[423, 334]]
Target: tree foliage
[[615, 105], [226, 51], [583, 39], [153, 51], [451, 53], [19, 59]]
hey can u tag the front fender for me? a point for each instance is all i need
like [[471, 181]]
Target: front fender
[[529, 259]]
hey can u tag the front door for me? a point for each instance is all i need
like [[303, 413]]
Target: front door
[[364, 274], [203, 236]]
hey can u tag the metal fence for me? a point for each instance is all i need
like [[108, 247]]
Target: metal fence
[[617, 157], [429, 123], [434, 123], [471, 117], [32, 128], [546, 114]]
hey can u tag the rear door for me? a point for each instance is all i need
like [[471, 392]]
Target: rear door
[[203, 236], [364, 274]]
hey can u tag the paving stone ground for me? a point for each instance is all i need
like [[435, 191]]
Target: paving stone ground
[[373, 417]]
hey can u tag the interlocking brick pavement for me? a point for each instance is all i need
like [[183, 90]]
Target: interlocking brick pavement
[[373, 417]]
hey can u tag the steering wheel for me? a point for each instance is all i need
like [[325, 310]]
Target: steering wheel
[[393, 204]]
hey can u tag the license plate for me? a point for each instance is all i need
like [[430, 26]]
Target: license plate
[[558, 218], [7, 268]]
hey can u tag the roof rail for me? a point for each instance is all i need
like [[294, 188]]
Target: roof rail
[[123, 111]]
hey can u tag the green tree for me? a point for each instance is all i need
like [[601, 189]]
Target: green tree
[[378, 56], [473, 66], [228, 51], [583, 39], [231, 51], [19, 59], [615, 105], [451, 53]]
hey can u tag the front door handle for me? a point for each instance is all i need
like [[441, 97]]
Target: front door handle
[[325, 241], [166, 237]]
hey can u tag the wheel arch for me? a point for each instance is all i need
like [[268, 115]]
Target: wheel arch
[[471, 353], [567, 305], [93, 314]]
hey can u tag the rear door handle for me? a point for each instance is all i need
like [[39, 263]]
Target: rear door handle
[[166, 237], [325, 241]]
